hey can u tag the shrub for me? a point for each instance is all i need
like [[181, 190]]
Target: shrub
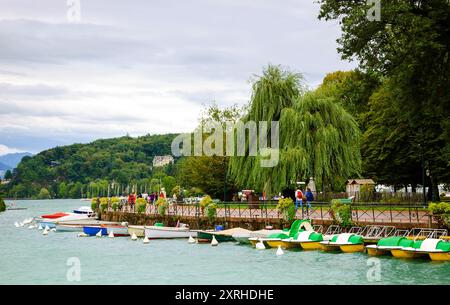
[[162, 206], [205, 201], [140, 206], [286, 208], [211, 212], [441, 213], [103, 204], [341, 213]]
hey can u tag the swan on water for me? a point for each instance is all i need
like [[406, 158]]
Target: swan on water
[[191, 240]]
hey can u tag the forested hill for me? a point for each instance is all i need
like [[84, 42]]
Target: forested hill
[[65, 171]]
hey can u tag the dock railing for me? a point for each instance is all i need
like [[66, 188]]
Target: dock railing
[[360, 212]]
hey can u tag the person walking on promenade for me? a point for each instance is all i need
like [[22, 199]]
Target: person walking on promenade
[[309, 199], [132, 201], [298, 199]]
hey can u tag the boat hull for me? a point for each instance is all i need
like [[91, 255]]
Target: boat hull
[[275, 243], [289, 245], [352, 248], [377, 252], [138, 231], [92, 231], [399, 253], [330, 247], [168, 233], [311, 245], [68, 228], [204, 237], [116, 230], [243, 240], [445, 256]]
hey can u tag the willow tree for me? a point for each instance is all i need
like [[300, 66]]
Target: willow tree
[[317, 137]]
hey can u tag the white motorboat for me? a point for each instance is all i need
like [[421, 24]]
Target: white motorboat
[[160, 232], [83, 213]]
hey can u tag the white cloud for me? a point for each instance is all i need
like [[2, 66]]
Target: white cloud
[[144, 66], [8, 150]]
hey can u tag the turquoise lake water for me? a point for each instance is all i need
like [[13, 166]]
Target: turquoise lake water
[[28, 257]]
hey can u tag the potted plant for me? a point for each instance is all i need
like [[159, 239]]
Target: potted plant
[[115, 203], [141, 205], [204, 203], [211, 212], [162, 206], [286, 208], [341, 213]]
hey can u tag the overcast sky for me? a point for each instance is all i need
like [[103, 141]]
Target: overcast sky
[[144, 66]]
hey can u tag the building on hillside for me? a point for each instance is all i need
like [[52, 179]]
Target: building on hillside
[[160, 161], [353, 187]]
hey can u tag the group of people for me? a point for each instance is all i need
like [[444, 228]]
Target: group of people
[[300, 197], [149, 198]]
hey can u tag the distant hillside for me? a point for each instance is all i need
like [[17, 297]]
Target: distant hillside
[[67, 170], [4, 167], [11, 160]]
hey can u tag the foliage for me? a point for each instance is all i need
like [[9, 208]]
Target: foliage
[[286, 208], [205, 201], [2, 205], [366, 193], [441, 213], [162, 206], [115, 206], [341, 213], [408, 48], [318, 138], [211, 212], [177, 190], [141, 206], [8, 175], [103, 204], [89, 169], [44, 194]]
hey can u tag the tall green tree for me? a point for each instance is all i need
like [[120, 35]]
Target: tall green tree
[[318, 138], [410, 47]]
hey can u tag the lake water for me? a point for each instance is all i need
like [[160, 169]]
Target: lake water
[[28, 257]]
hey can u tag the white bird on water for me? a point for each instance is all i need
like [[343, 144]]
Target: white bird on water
[[191, 240], [146, 241], [133, 236], [214, 241], [279, 251]]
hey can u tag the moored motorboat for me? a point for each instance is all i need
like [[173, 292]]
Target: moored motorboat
[[220, 236], [345, 242], [139, 231], [81, 213], [158, 231], [93, 231]]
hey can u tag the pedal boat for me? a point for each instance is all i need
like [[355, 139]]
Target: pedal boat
[[435, 249], [345, 242], [386, 245], [275, 240], [307, 240]]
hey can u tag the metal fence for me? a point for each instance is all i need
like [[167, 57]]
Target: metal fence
[[360, 212]]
